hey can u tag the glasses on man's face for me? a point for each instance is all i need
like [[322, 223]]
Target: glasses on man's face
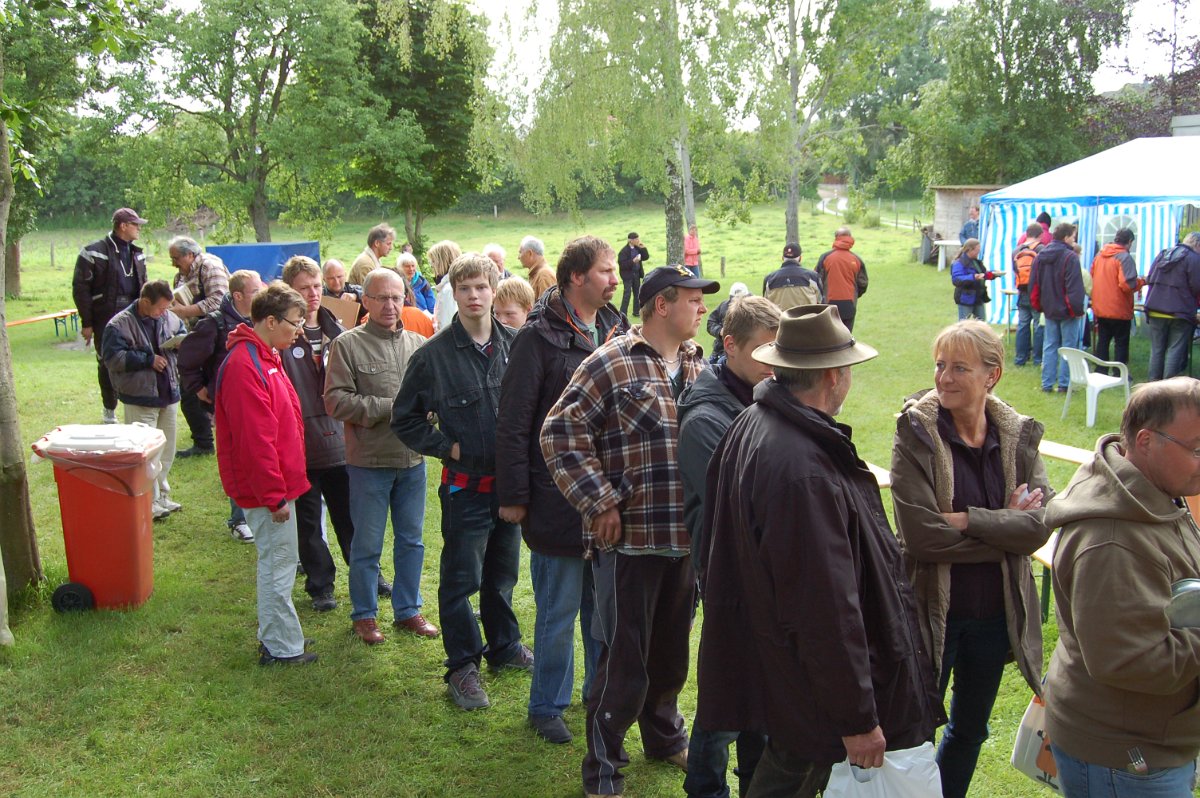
[[298, 324], [1194, 452], [393, 299]]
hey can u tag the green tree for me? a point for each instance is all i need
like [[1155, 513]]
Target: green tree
[[421, 149], [105, 23], [260, 104], [1015, 96]]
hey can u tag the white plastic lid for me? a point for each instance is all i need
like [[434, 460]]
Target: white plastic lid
[[76, 438]]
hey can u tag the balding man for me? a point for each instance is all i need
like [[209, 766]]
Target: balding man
[[366, 367], [333, 274], [532, 255]]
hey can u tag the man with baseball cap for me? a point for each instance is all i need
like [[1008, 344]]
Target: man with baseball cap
[[611, 444], [792, 285], [631, 262], [109, 275], [810, 630]]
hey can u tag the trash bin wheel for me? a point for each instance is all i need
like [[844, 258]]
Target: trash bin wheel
[[72, 597]]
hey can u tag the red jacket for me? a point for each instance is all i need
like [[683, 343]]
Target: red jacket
[[842, 273], [260, 433], [1114, 281]]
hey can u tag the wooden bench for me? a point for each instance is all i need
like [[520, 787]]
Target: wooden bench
[[62, 317]]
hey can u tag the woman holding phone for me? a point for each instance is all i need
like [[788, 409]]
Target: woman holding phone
[[968, 488]]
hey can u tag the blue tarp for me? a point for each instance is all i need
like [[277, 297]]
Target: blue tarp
[[267, 259], [1142, 184]]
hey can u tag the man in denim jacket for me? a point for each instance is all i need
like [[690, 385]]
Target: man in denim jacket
[[457, 376]]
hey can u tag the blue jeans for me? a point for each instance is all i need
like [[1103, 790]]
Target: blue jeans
[[1170, 342], [1030, 337], [1059, 332], [375, 492], [562, 591], [967, 311], [975, 651], [236, 515], [1082, 780], [708, 761], [480, 554]]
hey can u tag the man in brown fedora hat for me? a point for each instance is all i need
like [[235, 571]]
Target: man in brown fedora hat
[[810, 633]]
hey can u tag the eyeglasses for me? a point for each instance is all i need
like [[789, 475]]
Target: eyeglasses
[[1194, 452], [297, 324], [395, 299]]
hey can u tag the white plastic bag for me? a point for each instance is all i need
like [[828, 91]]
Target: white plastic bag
[[1031, 750], [911, 773], [6, 638]]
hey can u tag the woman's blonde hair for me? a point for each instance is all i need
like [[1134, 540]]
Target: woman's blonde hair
[[972, 335], [441, 255]]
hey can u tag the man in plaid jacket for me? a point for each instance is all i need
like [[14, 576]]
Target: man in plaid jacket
[[611, 444]]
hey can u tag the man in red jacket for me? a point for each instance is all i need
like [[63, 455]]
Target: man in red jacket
[[843, 276], [1114, 282], [260, 454]]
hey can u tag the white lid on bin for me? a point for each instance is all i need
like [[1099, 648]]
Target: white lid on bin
[[101, 439]]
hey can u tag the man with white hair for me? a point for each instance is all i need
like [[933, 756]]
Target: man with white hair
[[496, 253], [716, 320], [201, 284], [532, 255], [365, 370]]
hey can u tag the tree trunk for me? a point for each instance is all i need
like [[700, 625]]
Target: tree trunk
[[673, 208], [413, 219], [685, 171], [12, 269], [792, 214], [18, 541], [258, 211]]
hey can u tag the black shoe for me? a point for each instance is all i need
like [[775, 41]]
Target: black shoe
[[195, 451], [307, 658], [383, 587], [551, 728], [324, 602], [521, 661], [262, 650]]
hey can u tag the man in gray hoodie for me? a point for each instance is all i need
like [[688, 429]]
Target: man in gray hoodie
[[1122, 687]]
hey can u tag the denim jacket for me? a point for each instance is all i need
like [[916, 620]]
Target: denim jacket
[[450, 378]]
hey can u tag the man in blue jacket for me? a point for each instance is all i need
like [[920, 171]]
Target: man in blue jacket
[[1056, 290], [1171, 304]]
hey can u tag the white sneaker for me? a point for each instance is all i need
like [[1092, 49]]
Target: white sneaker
[[110, 416], [160, 512], [241, 533], [168, 505]]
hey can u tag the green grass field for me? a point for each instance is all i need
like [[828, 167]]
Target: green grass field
[[168, 699]]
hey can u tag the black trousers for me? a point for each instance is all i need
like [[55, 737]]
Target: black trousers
[[632, 283], [1115, 332], [643, 616], [334, 485], [847, 308], [198, 414], [108, 394]]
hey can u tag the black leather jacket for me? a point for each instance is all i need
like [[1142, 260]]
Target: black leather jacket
[[95, 284], [449, 377]]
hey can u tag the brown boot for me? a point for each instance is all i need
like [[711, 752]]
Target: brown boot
[[368, 631]]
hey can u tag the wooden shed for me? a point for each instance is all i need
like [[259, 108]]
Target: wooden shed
[[950, 207]]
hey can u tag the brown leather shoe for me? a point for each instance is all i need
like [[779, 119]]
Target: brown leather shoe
[[417, 625], [368, 631]]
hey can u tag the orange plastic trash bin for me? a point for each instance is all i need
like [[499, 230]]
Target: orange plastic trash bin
[[105, 475]]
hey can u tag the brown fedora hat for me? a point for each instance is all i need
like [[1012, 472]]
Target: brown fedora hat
[[813, 337]]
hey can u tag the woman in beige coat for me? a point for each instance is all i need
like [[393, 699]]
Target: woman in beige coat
[[968, 487]]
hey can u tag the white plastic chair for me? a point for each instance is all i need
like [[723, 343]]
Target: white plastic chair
[[1082, 376]]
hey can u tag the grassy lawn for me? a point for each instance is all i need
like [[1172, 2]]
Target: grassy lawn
[[168, 699]]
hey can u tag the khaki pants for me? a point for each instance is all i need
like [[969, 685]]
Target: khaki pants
[[164, 419]]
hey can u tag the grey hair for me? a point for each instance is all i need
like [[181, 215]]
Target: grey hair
[[184, 246], [488, 249], [406, 257], [532, 244], [375, 275], [1193, 240], [799, 379]]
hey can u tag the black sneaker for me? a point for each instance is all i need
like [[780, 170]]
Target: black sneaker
[[551, 728], [465, 689], [262, 650], [383, 588], [267, 658], [521, 661], [195, 451], [324, 602]]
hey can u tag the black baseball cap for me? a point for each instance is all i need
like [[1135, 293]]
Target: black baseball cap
[[792, 250], [666, 276]]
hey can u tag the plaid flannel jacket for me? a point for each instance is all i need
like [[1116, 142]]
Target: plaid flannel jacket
[[612, 441]]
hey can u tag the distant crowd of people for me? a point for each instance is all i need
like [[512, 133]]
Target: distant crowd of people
[[646, 477], [1054, 294]]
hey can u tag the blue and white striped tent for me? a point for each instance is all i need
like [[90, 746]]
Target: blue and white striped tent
[[1144, 184]]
